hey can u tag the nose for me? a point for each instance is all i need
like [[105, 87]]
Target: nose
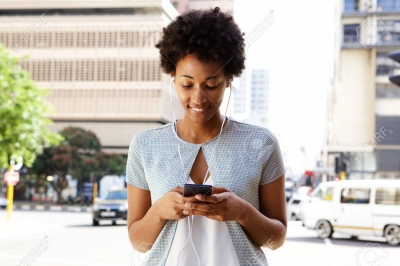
[[198, 96]]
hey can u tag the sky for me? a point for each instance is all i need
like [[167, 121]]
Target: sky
[[297, 49]]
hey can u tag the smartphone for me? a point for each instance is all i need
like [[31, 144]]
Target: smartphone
[[194, 189]]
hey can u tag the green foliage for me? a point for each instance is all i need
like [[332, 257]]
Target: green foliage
[[79, 155], [23, 125]]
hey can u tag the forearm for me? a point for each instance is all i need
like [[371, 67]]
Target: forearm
[[263, 231], [144, 232]]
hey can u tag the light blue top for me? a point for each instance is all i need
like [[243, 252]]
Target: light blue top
[[245, 158]]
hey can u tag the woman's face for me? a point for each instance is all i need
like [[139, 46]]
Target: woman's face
[[200, 87]]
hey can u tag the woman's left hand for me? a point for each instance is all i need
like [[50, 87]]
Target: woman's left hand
[[223, 206]]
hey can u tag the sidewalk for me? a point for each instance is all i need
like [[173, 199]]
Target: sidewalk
[[49, 206]]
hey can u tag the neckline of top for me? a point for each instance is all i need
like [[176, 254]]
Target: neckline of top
[[208, 181], [228, 120]]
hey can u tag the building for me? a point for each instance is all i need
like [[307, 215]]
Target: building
[[185, 5], [250, 101], [99, 61], [364, 107]]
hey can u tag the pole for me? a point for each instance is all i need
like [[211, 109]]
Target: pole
[[94, 192], [10, 197]]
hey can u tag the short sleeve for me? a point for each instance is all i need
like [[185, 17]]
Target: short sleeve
[[273, 167], [134, 166]]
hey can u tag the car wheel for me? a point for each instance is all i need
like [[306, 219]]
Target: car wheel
[[324, 229], [294, 217], [392, 234], [95, 222], [114, 223]]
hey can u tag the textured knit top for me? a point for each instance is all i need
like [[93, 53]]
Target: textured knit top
[[245, 158]]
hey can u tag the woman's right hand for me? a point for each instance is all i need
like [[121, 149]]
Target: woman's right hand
[[172, 204]]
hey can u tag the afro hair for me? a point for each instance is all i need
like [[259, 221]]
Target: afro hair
[[207, 34]]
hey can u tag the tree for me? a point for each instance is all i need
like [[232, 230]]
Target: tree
[[79, 155], [23, 110]]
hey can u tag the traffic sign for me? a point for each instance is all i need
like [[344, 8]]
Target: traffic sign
[[11, 178]]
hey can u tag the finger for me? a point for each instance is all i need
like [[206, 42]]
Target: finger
[[218, 190], [181, 199], [200, 207], [195, 212], [178, 189], [211, 199]]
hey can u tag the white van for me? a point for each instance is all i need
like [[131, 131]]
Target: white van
[[355, 207]]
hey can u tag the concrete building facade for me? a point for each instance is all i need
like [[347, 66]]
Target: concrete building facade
[[99, 61], [364, 107], [185, 5]]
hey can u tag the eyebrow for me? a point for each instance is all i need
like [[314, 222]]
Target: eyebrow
[[190, 77]]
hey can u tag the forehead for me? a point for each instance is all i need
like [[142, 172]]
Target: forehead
[[190, 65]]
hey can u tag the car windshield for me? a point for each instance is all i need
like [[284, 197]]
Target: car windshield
[[116, 195]]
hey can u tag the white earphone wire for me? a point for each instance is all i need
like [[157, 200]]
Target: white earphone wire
[[191, 220]]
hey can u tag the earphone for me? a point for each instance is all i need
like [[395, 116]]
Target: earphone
[[191, 218]]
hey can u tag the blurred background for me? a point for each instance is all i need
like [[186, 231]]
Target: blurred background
[[79, 79]]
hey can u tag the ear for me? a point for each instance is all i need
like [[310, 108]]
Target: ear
[[229, 80]]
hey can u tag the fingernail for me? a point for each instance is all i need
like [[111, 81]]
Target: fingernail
[[198, 197], [185, 212], [187, 205]]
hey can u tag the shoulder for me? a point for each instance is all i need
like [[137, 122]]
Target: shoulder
[[253, 133], [143, 138]]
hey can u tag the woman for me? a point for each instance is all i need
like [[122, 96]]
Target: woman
[[202, 51]]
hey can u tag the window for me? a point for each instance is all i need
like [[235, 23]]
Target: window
[[324, 194], [387, 92], [355, 195], [385, 65], [350, 33], [389, 5], [350, 5], [116, 195], [388, 196], [390, 31], [296, 201]]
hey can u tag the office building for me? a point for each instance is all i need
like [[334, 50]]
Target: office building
[[99, 61], [364, 107]]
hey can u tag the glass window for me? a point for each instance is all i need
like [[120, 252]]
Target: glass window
[[117, 195], [296, 201], [387, 196], [350, 33], [325, 194], [388, 5], [387, 92], [355, 195], [350, 5]]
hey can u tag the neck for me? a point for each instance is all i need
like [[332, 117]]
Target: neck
[[200, 132]]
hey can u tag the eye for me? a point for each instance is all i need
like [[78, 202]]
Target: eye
[[211, 87], [186, 86]]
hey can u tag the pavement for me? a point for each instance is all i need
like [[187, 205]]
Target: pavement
[[37, 238], [49, 206]]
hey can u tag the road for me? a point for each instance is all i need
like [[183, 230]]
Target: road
[[44, 238]]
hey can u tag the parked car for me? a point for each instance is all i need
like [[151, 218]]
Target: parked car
[[356, 208], [294, 208], [113, 206], [289, 189], [296, 202]]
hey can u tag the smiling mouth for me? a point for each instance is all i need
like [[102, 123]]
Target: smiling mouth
[[199, 110]]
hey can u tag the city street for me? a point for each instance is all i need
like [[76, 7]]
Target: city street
[[67, 238]]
